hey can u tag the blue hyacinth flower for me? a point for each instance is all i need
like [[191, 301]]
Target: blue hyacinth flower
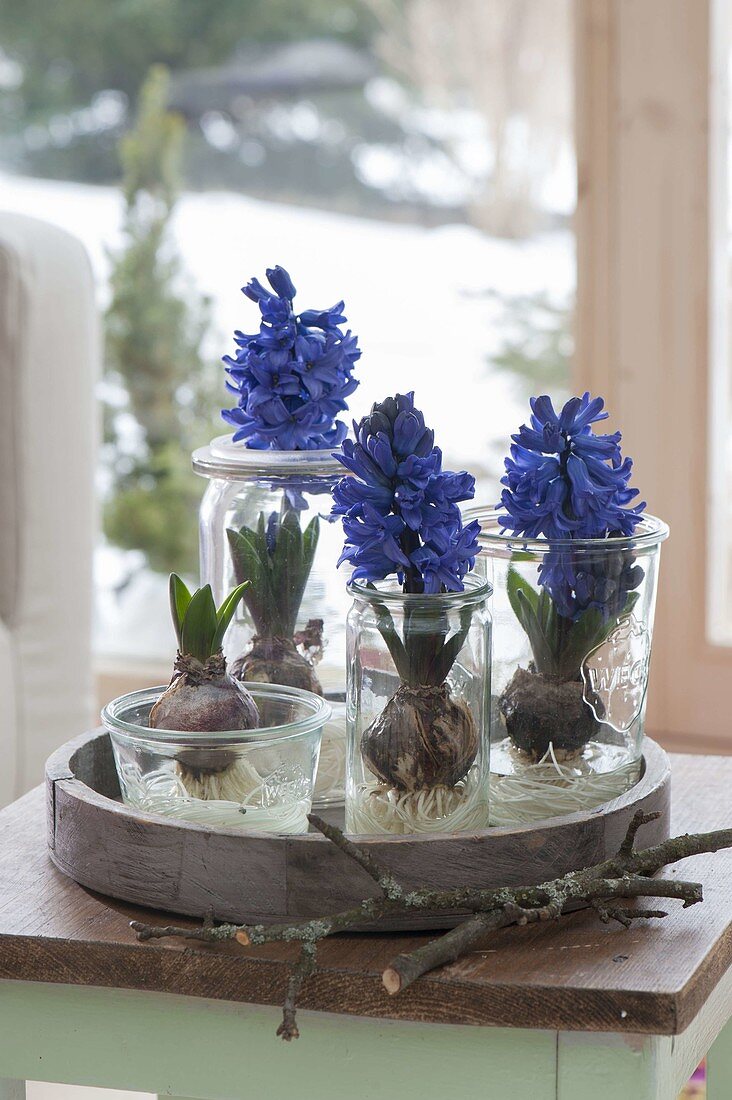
[[293, 377], [400, 508]]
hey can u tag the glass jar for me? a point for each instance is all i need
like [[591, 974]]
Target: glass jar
[[417, 710], [262, 518], [572, 629], [256, 780]]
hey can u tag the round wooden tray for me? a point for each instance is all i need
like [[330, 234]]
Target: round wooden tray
[[188, 868]]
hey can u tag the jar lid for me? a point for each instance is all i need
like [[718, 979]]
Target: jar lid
[[223, 458]]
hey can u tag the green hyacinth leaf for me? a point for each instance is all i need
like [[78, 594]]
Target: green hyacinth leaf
[[180, 598], [630, 603], [286, 568], [546, 613], [448, 654], [589, 631], [278, 578], [521, 595], [225, 614], [310, 537], [543, 656], [249, 566], [537, 619], [260, 542], [244, 556], [199, 625], [388, 631]]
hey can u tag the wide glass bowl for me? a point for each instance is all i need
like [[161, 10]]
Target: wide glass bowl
[[257, 780]]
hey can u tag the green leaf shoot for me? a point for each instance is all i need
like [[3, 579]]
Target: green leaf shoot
[[199, 625], [180, 598], [225, 614]]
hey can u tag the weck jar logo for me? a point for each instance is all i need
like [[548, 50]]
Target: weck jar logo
[[615, 675]]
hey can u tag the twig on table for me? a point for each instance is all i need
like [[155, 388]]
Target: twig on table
[[625, 915], [381, 875], [639, 819], [303, 968], [624, 876], [206, 932]]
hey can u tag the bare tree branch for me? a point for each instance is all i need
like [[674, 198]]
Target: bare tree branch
[[303, 968], [639, 818], [379, 874], [406, 968], [622, 877]]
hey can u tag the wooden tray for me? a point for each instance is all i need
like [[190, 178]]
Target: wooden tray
[[181, 867]]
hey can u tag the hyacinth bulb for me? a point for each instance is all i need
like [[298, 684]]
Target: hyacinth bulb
[[206, 702], [202, 697], [541, 711], [276, 661], [423, 738]]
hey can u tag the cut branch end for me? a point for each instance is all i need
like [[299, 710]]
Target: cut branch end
[[392, 981]]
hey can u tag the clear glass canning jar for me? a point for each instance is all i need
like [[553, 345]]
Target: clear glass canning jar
[[262, 518], [572, 630], [417, 710], [257, 780]]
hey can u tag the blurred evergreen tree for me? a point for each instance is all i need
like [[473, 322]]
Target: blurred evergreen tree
[[155, 326], [536, 346]]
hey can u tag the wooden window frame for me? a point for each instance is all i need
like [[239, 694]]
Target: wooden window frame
[[650, 86]]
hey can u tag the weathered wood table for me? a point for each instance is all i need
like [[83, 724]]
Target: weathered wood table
[[561, 1012]]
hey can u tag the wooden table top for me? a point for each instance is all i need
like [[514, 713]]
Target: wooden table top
[[577, 974]]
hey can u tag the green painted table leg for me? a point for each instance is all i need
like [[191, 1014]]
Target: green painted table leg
[[719, 1066], [643, 1067], [11, 1089], [616, 1067]]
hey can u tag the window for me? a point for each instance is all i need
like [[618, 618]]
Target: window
[[651, 310], [418, 164]]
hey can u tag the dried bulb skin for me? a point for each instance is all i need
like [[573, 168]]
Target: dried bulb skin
[[203, 698], [539, 710], [423, 738], [276, 661]]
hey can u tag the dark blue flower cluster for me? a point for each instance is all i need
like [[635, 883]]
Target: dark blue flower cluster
[[292, 377], [563, 482], [400, 511], [580, 581]]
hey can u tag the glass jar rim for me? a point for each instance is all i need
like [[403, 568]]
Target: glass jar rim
[[320, 712], [651, 532], [223, 458], [477, 590]]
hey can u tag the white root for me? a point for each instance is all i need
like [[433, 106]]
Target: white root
[[552, 787], [235, 798], [381, 809]]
